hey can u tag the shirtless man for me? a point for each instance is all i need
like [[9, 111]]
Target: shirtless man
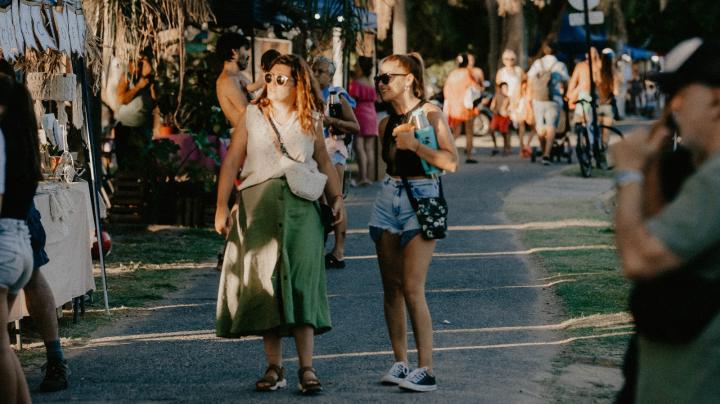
[[233, 49], [579, 89], [579, 86]]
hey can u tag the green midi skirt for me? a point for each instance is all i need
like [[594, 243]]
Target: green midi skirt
[[273, 275]]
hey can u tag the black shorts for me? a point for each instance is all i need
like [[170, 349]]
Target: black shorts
[[37, 237]]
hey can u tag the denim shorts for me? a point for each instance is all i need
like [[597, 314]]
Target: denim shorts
[[338, 159], [37, 238], [16, 258], [393, 212]]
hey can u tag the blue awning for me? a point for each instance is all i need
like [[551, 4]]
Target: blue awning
[[571, 38], [638, 53]]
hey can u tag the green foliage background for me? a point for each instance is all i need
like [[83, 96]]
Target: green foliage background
[[660, 31]]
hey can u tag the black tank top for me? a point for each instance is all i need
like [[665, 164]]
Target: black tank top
[[400, 163], [19, 186]]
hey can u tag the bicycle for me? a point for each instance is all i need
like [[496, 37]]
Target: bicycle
[[587, 148]]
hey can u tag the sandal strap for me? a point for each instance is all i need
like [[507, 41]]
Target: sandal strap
[[272, 380], [314, 381], [279, 370]]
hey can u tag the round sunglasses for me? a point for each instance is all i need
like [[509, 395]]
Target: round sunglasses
[[386, 77], [280, 79]]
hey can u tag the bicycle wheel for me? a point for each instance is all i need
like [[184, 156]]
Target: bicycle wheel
[[583, 150]]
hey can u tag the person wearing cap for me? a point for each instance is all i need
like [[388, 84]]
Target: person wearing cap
[[672, 255]]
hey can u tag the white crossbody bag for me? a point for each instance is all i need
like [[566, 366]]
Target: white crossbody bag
[[303, 181]]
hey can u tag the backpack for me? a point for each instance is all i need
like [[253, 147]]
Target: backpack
[[541, 84]]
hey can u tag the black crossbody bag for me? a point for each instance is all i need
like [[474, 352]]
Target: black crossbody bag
[[431, 212]]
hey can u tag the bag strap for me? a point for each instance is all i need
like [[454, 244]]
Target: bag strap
[[411, 197], [413, 201], [283, 150]]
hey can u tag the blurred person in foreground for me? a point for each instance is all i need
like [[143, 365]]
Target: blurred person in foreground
[[668, 237], [39, 297], [19, 176]]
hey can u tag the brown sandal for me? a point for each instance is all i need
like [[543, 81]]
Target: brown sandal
[[269, 382], [311, 385]]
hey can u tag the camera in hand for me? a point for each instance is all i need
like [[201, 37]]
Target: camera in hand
[[335, 111]]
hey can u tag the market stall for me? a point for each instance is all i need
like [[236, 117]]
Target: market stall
[[66, 211], [50, 48]]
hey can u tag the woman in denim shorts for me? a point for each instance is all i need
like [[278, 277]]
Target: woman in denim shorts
[[19, 175], [403, 254]]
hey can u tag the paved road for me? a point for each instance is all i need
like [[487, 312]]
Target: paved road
[[172, 354]]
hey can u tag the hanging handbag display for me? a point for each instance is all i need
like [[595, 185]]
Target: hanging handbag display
[[304, 182], [431, 212]]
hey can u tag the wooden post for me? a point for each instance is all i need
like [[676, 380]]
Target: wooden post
[[399, 30], [18, 335]]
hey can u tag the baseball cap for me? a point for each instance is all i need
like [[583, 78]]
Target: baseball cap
[[694, 60]]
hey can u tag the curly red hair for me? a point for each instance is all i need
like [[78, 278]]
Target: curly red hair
[[305, 99]]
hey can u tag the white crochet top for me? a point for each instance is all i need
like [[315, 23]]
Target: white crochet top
[[263, 155]]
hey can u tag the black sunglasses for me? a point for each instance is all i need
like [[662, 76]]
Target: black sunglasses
[[280, 79], [386, 77]]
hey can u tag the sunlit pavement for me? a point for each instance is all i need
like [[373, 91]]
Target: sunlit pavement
[[496, 325]]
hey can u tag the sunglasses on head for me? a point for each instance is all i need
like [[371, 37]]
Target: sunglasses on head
[[280, 79], [386, 77]]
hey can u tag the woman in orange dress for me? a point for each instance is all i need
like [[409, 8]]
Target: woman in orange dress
[[456, 85]]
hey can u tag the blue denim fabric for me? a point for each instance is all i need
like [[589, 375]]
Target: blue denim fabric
[[37, 237], [15, 255], [338, 159], [393, 212]]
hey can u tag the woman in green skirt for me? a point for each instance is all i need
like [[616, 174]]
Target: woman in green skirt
[[273, 276]]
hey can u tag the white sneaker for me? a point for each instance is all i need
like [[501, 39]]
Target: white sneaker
[[397, 373], [419, 380]]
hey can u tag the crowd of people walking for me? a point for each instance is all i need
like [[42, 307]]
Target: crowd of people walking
[[292, 134], [542, 102]]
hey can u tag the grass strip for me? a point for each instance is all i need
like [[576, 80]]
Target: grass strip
[[591, 280]]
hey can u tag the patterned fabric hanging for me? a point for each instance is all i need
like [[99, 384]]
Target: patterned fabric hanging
[[41, 34], [7, 35], [19, 40], [77, 108]]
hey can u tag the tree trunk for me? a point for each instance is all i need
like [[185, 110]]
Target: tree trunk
[[514, 35], [617, 30], [399, 28], [549, 23], [494, 39]]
